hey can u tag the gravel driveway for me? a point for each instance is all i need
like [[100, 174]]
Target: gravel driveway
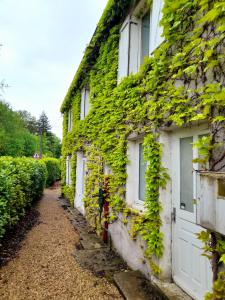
[[44, 267]]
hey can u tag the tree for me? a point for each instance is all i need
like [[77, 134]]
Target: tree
[[53, 144], [30, 122], [44, 128], [21, 134]]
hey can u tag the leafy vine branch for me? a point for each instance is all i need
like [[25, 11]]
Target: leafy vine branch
[[183, 82]]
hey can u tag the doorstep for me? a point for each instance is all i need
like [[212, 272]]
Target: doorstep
[[97, 257], [171, 290], [134, 286]]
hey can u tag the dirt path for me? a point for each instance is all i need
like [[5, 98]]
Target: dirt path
[[44, 267]]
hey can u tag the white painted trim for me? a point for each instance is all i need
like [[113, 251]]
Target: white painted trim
[[132, 184]]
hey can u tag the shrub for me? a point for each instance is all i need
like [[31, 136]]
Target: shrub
[[22, 181], [53, 170]]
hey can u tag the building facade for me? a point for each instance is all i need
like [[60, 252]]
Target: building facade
[[144, 123]]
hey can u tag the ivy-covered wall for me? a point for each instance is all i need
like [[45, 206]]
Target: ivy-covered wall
[[183, 82]]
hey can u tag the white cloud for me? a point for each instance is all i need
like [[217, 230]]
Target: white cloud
[[43, 43]]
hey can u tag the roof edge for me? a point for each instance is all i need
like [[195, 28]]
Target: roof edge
[[113, 14]]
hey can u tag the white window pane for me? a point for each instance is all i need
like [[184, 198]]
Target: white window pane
[[145, 36], [186, 174], [134, 48], [123, 51], [142, 169]]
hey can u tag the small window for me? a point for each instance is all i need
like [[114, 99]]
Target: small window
[[83, 174], [145, 36], [85, 103], [136, 169], [186, 174], [68, 170], [70, 123], [221, 188], [142, 170]]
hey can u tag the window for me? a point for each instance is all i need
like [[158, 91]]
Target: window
[[145, 35], [186, 174], [142, 168], [83, 174], [139, 37], [68, 170], [85, 103], [70, 123], [136, 170]]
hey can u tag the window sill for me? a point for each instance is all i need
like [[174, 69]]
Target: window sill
[[138, 205]]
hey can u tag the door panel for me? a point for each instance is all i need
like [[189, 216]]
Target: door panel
[[190, 269]]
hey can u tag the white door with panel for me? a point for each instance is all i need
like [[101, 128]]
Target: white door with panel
[[191, 270], [80, 177]]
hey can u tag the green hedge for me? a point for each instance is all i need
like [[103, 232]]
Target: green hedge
[[22, 181], [53, 170]]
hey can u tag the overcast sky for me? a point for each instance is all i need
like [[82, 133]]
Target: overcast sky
[[43, 44]]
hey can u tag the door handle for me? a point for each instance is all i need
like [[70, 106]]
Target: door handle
[[174, 215]]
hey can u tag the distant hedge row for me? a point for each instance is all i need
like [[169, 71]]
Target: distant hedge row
[[22, 181], [53, 170]]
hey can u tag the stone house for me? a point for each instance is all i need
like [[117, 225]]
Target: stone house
[[144, 123]]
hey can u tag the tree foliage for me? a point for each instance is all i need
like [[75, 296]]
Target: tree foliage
[[20, 131], [15, 139]]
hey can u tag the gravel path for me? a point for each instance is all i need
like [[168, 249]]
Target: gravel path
[[44, 267]]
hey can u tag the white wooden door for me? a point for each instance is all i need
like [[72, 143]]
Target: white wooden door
[[80, 176], [191, 270]]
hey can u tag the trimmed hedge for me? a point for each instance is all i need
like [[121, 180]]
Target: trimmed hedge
[[22, 181], [53, 170]]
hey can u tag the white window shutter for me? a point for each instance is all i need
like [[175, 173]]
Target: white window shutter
[[83, 175], [123, 50], [82, 104], [155, 29], [69, 120], [86, 102], [69, 171], [134, 48]]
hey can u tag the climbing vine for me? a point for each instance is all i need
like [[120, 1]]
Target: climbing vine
[[183, 82]]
